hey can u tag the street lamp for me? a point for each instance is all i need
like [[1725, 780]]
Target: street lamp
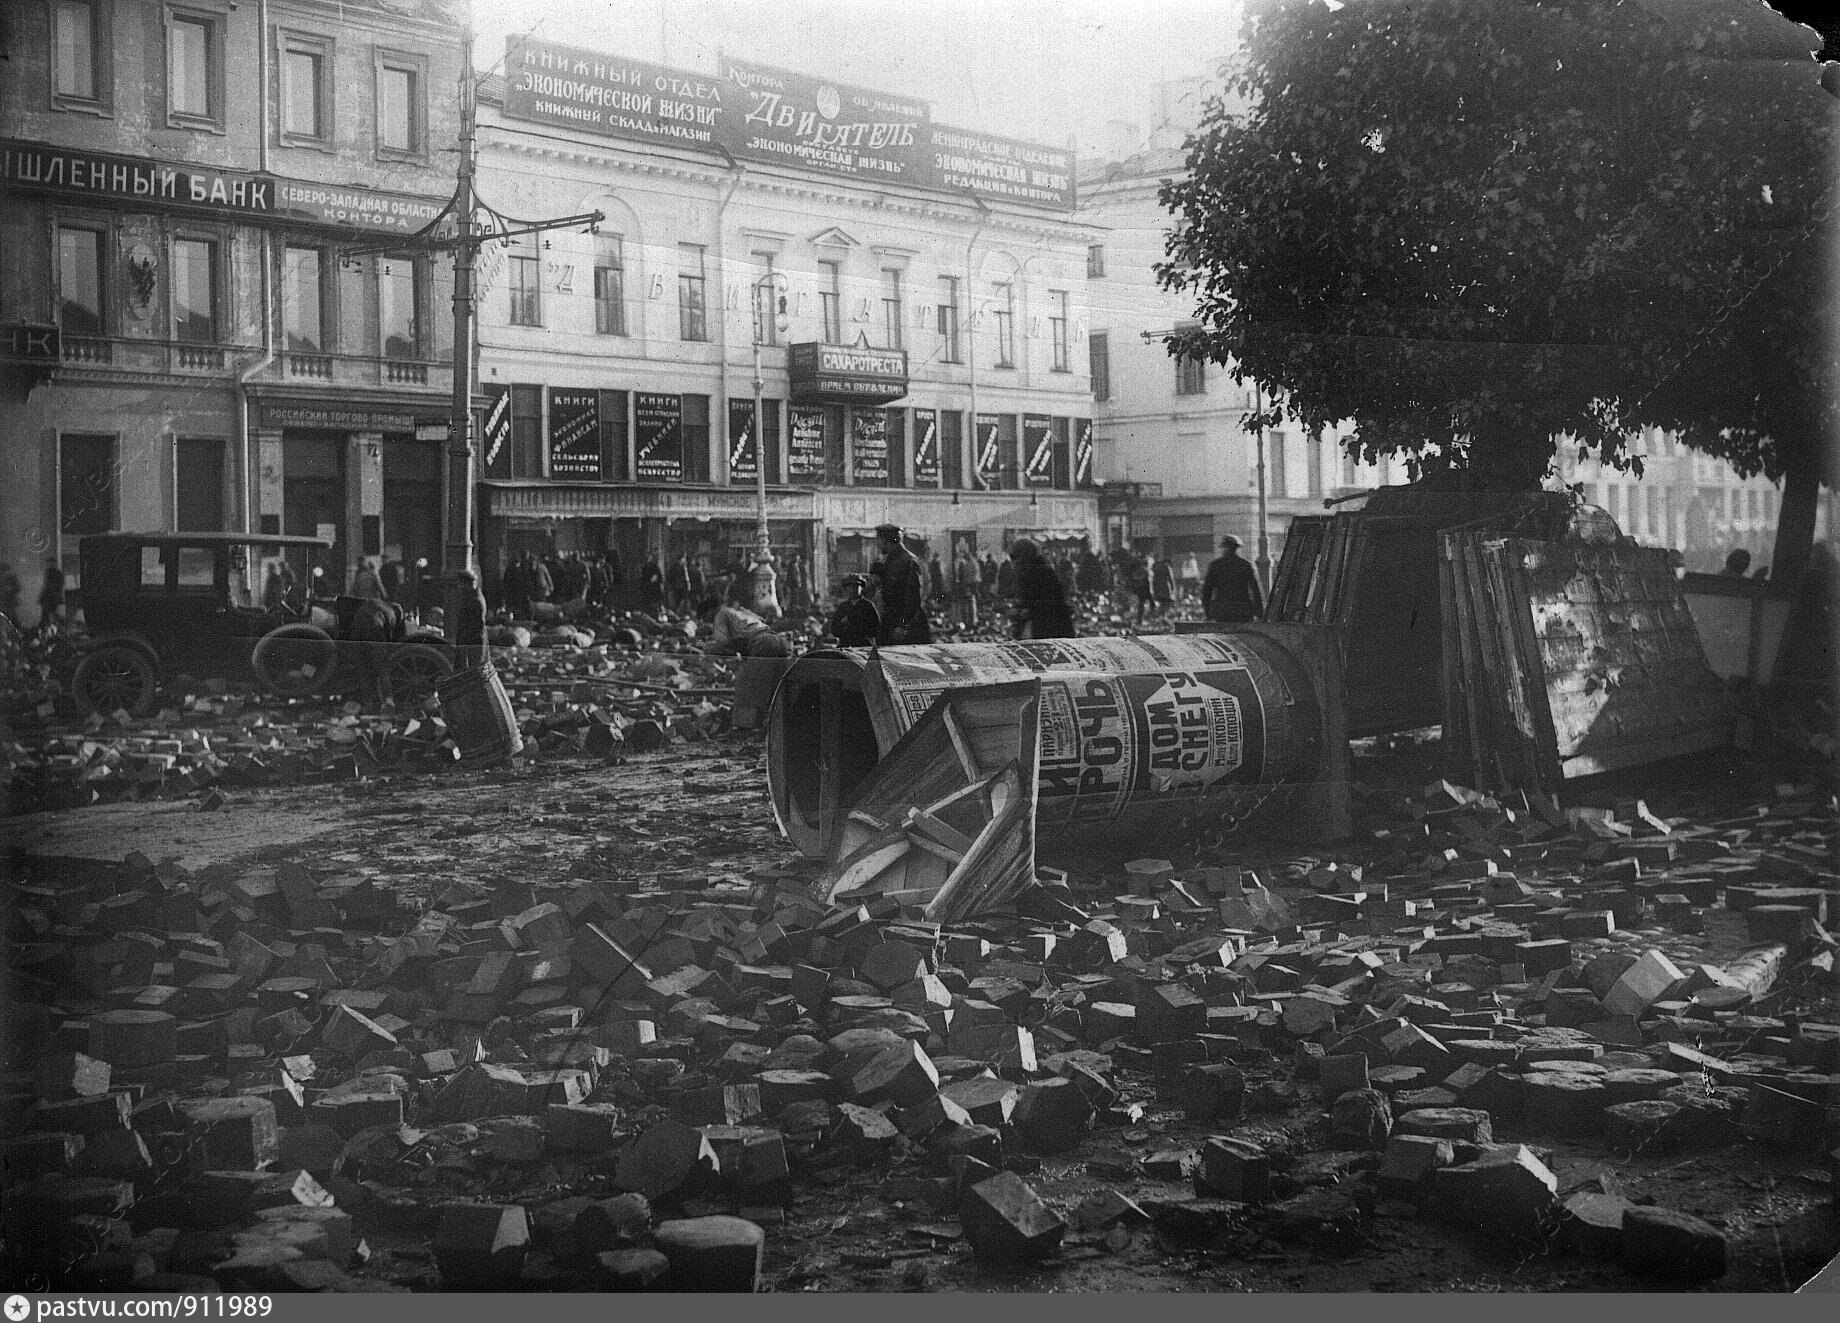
[[766, 597]]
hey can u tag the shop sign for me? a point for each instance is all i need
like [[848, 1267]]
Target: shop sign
[[495, 436], [869, 447], [354, 208], [926, 448], [1037, 450], [985, 457], [1083, 454], [807, 457], [433, 429], [794, 119], [30, 343], [575, 434], [328, 418], [839, 374], [571, 88], [1002, 168], [743, 444], [658, 425]]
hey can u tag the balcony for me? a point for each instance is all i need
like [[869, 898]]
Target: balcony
[[357, 370], [198, 358], [88, 350]]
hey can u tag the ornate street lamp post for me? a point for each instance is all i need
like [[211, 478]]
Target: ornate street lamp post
[[766, 596]]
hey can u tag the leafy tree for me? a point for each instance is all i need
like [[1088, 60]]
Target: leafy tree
[[1471, 226]]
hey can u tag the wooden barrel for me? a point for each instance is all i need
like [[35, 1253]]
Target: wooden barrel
[[1138, 736], [478, 714]]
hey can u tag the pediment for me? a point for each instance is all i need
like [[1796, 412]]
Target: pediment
[[834, 238]]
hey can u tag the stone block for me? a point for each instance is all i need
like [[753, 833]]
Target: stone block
[[712, 1253], [1410, 1162], [1052, 1116], [668, 1160], [1234, 1169], [1673, 1246], [1341, 1074], [1361, 1119], [1643, 984], [231, 1134], [1507, 1189], [1211, 1093], [481, 1246], [1007, 1223]]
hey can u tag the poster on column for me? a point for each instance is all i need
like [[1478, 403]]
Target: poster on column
[[658, 426], [743, 442], [495, 434], [575, 434], [807, 460], [988, 462], [1037, 450], [1083, 453], [868, 447], [926, 448]]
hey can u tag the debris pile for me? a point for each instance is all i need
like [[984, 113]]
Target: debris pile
[[286, 1077]]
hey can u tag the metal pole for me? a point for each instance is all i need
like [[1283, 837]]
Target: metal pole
[[1263, 561], [457, 552], [766, 595]]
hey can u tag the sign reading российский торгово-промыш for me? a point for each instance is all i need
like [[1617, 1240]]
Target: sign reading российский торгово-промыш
[[756, 112]]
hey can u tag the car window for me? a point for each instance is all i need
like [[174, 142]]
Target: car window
[[197, 569], [153, 567]]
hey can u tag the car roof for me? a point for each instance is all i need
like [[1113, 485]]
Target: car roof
[[213, 539]]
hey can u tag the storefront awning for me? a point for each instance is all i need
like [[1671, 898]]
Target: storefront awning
[[553, 500]]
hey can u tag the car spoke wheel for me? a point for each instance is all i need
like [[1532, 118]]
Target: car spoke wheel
[[114, 678], [415, 670], [294, 661]]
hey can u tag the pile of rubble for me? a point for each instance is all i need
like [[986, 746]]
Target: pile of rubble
[[281, 1077]]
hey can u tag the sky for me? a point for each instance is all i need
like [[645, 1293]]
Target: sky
[[1051, 71]]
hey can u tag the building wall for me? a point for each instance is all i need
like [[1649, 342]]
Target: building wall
[[167, 401]]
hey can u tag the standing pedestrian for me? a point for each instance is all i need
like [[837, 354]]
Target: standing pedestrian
[[855, 623], [677, 585], [1163, 585], [904, 618], [51, 598], [391, 576], [965, 584], [1140, 584], [1041, 603], [936, 577], [1230, 592], [651, 586], [365, 583], [470, 622]]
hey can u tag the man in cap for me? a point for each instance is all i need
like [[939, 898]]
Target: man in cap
[[855, 623], [1230, 592], [904, 618]]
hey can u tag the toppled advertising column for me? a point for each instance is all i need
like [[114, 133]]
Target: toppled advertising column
[[1136, 738]]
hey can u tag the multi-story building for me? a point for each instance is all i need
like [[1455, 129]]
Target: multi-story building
[[190, 343], [910, 298]]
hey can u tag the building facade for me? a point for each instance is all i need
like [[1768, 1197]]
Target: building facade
[[205, 330], [908, 297]]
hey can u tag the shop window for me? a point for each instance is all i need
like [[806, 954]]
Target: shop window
[[695, 424], [692, 293], [306, 97], [1099, 362], [527, 431], [402, 115], [80, 53], [80, 281], [610, 287], [948, 319], [303, 301], [195, 69], [194, 291], [86, 485], [613, 436]]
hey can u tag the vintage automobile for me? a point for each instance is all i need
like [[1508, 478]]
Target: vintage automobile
[[158, 605]]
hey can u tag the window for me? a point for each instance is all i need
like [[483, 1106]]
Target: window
[[303, 302], [199, 492], [80, 269], [1095, 260], [194, 291], [86, 487], [948, 320], [401, 117], [1057, 328], [194, 68], [1274, 463], [79, 51], [523, 280], [610, 287], [951, 448], [692, 295], [694, 421], [526, 431], [766, 302], [1191, 375], [891, 309], [1099, 360], [830, 300], [1003, 304], [614, 459], [398, 302], [1315, 461], [305, 98]]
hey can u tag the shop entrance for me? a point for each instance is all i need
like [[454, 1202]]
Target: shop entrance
[[313, 503]]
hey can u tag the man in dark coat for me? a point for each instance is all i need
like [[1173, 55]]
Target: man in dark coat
[[651, 586], [904, 617], [855, 623], [1230, 592], [1041, 602], [470, 622]]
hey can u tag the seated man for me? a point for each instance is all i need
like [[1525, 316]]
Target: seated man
[[855, 623], [740, 631]]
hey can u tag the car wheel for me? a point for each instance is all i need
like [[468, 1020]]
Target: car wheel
[[415, 670], [114, 678], [294, 661]]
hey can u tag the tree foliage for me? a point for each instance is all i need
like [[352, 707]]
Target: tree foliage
[[1469, 226]]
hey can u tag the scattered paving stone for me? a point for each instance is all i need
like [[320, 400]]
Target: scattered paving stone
[[1664, 1243]]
